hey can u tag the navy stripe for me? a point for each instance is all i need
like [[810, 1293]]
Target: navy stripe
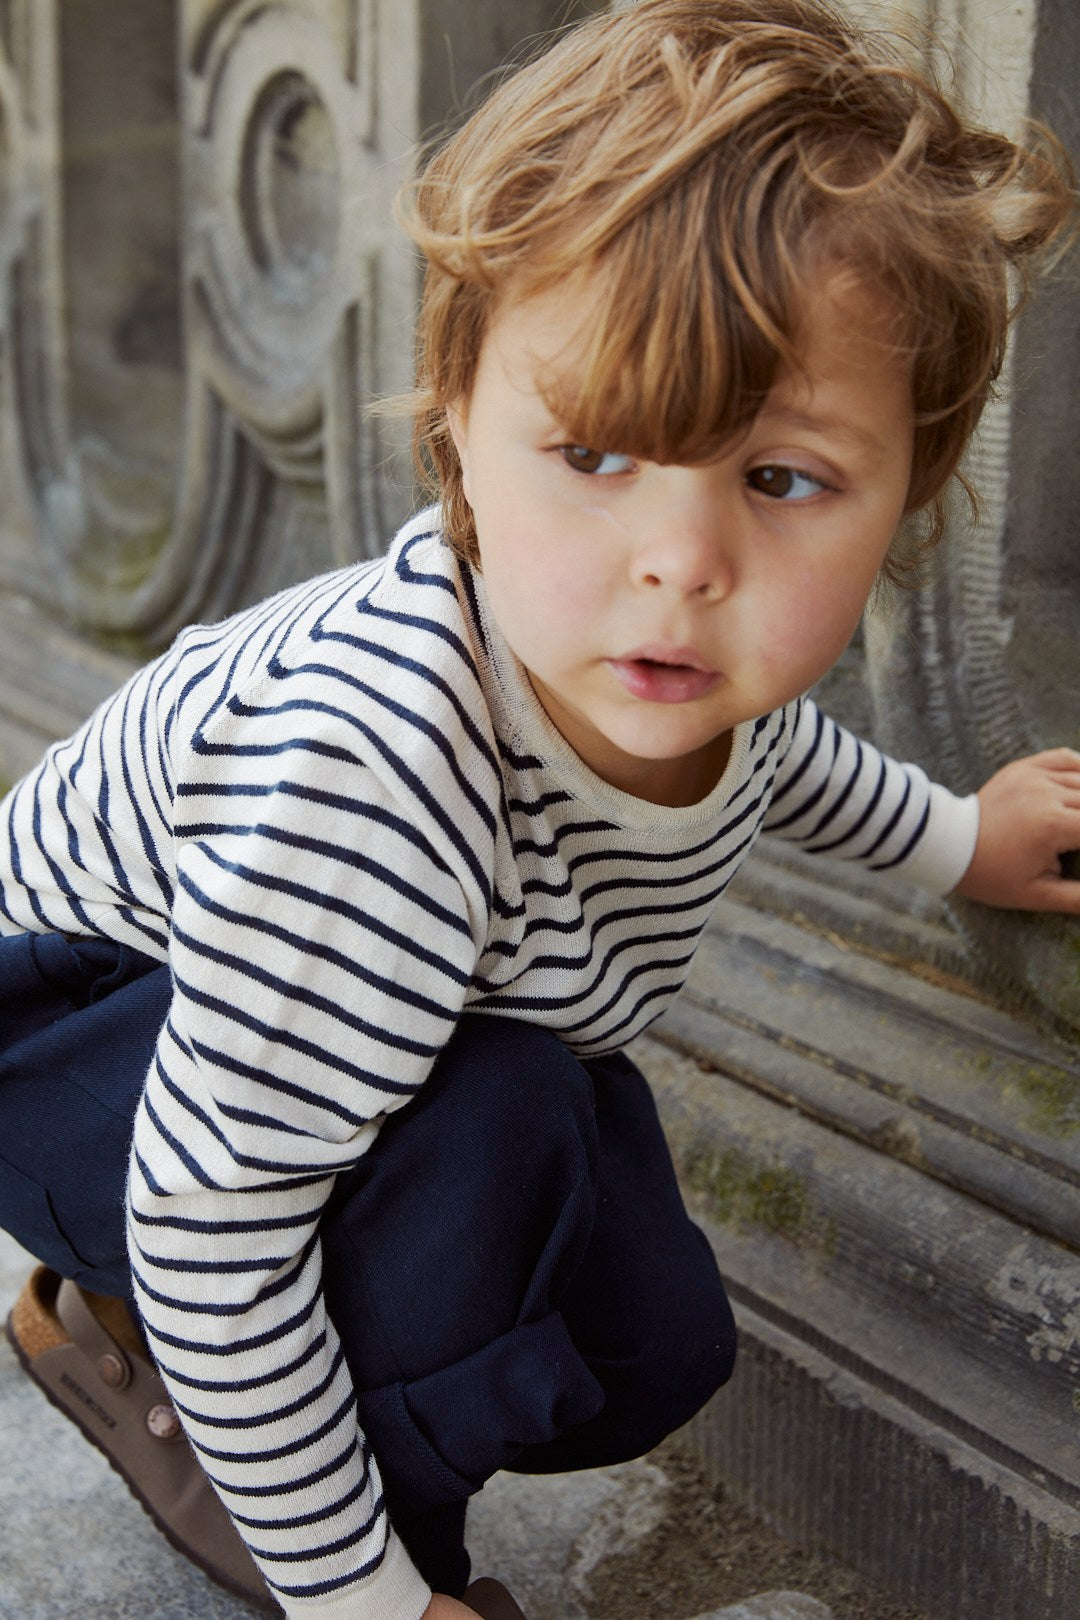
[[905, 851], [303, 944]]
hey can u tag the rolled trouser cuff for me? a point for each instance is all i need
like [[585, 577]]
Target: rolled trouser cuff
[[438, 1438]]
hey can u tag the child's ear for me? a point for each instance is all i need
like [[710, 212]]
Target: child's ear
[[457, 422]]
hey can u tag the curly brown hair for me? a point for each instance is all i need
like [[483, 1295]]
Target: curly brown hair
[[707, 157]]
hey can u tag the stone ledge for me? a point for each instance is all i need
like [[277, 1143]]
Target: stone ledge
[[838, 1465], [887, 1167]]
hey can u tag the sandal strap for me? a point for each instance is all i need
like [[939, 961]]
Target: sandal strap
[[84, 1328], [116, 1396]]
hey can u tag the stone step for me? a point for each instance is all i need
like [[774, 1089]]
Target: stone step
[[888, 1167]]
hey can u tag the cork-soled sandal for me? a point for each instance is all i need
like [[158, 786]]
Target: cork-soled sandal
[[86, 1354], [491, 1601]]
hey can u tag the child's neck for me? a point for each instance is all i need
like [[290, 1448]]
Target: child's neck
[[678, 783]]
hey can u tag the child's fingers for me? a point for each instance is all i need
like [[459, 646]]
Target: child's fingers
[[1065, 781], [1053, 894], [1063, 826], [1057, 759], [1056, 767], [1029, 819]]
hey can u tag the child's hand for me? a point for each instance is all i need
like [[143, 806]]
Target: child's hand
[[1029, 818], [447, 1608], [486, 1598]]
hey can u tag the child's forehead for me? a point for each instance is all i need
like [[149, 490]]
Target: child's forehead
[[544, 340], [541, 335]]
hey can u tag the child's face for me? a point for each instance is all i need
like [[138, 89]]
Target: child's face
[[657, 606]]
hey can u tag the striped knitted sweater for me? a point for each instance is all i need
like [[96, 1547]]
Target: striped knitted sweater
[[343, 817]]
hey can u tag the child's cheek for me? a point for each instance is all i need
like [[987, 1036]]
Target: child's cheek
[[562, 610], [807, 626]]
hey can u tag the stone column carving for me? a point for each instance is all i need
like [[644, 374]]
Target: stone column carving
[[29, 234], [202, 288], [197, 296]]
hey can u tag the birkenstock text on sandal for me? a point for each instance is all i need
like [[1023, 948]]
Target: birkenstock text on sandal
[[85, 1353]]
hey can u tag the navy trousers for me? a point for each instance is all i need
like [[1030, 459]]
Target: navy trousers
[[513, 1275]]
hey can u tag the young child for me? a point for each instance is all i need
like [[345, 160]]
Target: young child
[[716, 292]]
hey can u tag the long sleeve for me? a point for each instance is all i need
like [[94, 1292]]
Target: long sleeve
[[837, 795], [330, 900], [304, 1009]]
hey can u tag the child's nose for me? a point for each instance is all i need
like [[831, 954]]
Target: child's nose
[[688, 550]]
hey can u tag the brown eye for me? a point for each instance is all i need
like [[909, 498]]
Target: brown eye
[[772, 480], [581, 458], [784, 483], [604, 462]]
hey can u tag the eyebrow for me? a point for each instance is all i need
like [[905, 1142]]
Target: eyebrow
[[837, 426]]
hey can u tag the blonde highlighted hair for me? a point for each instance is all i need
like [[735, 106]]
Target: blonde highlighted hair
[[707, 156]]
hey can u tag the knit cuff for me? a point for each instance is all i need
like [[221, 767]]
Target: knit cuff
[[942, 856], [396, 1591]]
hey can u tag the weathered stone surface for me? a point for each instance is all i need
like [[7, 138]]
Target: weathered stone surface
[[905, 1394], [544, 1536], [773, 1606]]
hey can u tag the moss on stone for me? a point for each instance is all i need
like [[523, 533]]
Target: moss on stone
[[1050, 1096], [751, 1194], [1053, 1097]]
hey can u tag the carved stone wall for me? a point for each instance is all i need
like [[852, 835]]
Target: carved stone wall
[[983, 663], [201, 287]]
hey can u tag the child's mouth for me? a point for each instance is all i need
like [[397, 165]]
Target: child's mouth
[[662, 676]]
